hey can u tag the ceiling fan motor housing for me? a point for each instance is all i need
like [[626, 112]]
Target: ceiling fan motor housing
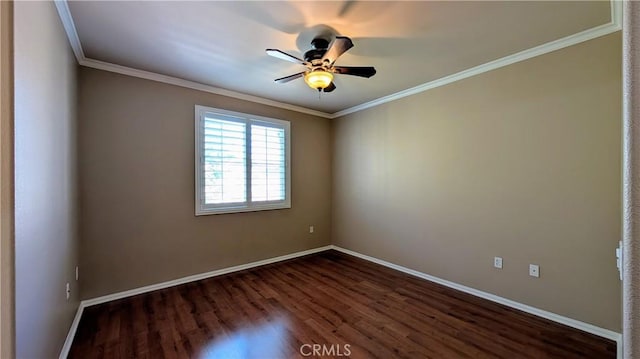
[[319, 47]]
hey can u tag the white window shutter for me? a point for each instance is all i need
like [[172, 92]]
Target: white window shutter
[[224, 161], [268, 163], [242, 162]]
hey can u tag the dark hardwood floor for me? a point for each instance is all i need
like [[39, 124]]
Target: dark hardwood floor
[[352, 307]]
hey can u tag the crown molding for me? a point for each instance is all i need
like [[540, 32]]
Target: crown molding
[[107, 66], [616, 13], [70, 28], [570, 40], [615, 24]]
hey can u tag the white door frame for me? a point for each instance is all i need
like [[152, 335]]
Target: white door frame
[[631, 180]]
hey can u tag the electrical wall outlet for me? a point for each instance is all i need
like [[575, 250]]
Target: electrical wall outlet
[[311, 229], [497, 262], [534, 270], [68, 290]]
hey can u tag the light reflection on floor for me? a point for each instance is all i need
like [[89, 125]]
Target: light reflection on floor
[[262, 341]]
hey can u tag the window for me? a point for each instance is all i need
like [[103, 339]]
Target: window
[[242, 162]]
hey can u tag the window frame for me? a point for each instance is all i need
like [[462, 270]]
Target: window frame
[[202, 209]]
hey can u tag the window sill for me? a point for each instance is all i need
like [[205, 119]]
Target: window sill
[[241, 209]]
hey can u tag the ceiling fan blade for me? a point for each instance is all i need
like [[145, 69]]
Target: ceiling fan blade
[[337, 47], [329, 88], [284, 56], [346, 7], [289, 78], [355, 71]]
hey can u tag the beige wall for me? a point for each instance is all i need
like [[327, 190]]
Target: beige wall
[[7, 287], [136, 153], [45, 180], [521, 162]]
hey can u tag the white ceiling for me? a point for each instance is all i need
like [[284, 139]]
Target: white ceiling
[[222, 44]]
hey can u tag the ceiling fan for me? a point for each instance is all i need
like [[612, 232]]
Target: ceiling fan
[[320, 63]]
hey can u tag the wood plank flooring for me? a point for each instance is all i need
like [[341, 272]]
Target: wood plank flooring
[[343, 305]]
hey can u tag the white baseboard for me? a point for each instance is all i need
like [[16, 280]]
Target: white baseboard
[[72, 333], [589, 328], [192, 278], [195, 277]]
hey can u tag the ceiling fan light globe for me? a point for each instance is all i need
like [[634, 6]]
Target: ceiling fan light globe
[[318, 79]]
